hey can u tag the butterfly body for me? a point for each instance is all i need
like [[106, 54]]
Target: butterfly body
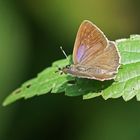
[[94, 56], [89, 72]]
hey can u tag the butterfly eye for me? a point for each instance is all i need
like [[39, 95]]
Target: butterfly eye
[[68, 66]]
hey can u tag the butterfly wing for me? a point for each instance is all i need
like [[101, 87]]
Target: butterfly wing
[[92, 51], [90, 41], [108, 59], [105, 65]]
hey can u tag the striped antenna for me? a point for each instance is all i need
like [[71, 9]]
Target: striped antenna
[[64, 52]]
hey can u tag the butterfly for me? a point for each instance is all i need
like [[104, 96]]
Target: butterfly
[[94, 56]]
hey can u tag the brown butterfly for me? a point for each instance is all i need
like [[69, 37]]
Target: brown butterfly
[[94, 56]]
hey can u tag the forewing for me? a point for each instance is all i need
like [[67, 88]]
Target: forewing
[[90, 41]]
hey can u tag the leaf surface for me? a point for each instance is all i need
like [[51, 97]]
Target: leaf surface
[[126, 83]]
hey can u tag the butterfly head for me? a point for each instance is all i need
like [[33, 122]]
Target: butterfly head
[[63, 70]]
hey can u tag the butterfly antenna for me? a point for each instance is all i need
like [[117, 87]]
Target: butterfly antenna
[[64, 52]]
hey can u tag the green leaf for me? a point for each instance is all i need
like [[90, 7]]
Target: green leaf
[[126, 83]]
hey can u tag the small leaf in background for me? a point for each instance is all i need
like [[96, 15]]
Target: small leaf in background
[[126, 83]]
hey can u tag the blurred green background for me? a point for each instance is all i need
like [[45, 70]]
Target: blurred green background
[[31, 33]]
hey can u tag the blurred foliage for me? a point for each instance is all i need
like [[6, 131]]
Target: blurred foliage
[[31, 33], [14, 50]]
